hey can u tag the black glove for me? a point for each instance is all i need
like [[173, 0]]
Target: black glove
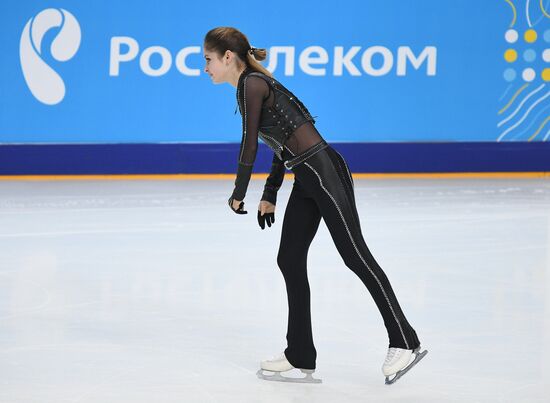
[[267, 217], [240, 210]]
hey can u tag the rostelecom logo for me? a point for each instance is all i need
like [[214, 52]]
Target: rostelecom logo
[[44, 82]]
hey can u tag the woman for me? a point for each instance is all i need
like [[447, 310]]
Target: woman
[[323, 188]]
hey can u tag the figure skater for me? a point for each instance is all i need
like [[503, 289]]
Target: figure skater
[[323, 188]]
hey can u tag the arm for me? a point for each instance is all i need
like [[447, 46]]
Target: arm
[[274, 180], [251, 97], [266, 209]]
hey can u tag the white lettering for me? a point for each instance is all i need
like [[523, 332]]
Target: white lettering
[[366, 61], [341, 60], [405, 53], [145, 61], [117, 56], [313, 60], [306, 60], [180, 61], [289, 59]]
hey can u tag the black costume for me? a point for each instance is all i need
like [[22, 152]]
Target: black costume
[[323, 187]]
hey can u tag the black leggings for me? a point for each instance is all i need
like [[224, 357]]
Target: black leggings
[[323, 187]]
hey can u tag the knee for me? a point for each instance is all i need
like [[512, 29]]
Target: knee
[[289, 262], [356, 257], [362, 265], [284, 260], [352, 265], [351, 261]]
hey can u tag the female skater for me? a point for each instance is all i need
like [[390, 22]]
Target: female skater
[[323, 188]]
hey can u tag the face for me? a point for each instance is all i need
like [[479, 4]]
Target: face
[[216, 67]]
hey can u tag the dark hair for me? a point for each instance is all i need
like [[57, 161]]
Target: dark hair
[[220, 39]]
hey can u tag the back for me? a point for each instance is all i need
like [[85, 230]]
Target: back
[[285, 119], [272, 112]]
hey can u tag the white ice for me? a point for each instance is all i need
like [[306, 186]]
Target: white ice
[[142, 291]]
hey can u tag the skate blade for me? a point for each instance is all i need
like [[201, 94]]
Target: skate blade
[[280, 378], [418, 356]]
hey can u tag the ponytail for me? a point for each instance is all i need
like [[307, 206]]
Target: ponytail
[[256, 55], [221, 39]]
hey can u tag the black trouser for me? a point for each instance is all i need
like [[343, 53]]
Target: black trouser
[[323, 187]]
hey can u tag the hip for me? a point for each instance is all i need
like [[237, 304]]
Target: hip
[[322, 165]]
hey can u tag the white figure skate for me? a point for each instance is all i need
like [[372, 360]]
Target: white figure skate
[[276, 365], [398, 362]]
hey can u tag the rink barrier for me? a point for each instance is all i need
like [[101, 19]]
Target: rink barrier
[[457, 175], [176, 159]]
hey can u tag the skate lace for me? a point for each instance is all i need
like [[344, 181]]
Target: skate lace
[[392, 353]]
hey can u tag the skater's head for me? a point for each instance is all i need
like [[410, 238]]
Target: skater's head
[[227, 53]]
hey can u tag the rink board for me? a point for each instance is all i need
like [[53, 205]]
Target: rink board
[[185, 158]]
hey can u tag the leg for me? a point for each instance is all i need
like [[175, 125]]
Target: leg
[[326, 176], [300, 224]]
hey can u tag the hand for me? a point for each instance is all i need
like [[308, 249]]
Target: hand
[[237, 206], [266, 213]]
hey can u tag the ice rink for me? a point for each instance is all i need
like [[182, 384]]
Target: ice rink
[[142, 290]]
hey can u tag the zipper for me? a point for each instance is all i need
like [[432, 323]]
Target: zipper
[[275, 141], [238, 106]]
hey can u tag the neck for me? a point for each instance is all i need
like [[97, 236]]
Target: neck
[[234, 80]]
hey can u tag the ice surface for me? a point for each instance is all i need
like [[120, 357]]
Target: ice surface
[[141, 291]]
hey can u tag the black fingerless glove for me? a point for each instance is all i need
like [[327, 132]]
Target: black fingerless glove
[[269, 195], [240, 210], [268, 218]]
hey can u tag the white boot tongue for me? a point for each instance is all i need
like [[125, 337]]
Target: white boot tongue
[[393, 352]]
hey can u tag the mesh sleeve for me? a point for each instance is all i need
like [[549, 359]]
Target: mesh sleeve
[[274, 180], [251, 97]]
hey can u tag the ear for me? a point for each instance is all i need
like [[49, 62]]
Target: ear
[[228, 55]]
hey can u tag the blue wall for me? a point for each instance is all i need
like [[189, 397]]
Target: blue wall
[[476, 99]]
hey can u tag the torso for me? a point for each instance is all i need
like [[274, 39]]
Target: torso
[[278, 130]]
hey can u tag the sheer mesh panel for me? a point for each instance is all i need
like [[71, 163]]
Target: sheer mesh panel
[[255, 93]]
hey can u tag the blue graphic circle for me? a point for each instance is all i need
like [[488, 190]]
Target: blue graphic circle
[[529, 55], [547, 35], [509, 75]]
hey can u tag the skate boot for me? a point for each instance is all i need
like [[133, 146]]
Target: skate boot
[[398, 362], [279, 364]]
